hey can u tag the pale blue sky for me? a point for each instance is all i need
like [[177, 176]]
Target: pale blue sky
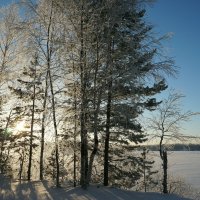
[[182, 17], [6, 2]]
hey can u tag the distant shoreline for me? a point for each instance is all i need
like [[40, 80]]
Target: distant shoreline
[[173, 147]]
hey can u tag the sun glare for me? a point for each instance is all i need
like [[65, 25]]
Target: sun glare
[[19, 126]]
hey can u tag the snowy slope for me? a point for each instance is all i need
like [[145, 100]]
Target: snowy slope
[[37, 190]]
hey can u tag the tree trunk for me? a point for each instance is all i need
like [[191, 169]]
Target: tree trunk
[[108, 112], [84, 145], [49, 56], [96, 142], [21, 165], [43, 130], [107, 139], [74, 169], [96, 105], [75, 121], [84, 157], [160, 146], [165, 190], [75, 132], [144, 169], [31, 134], [55, 129]]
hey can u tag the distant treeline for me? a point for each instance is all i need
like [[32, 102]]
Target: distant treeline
[[175, 147]]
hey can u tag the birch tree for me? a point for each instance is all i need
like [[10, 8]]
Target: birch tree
[[10, 40], [9, 37], [166, 124], [43, 32]]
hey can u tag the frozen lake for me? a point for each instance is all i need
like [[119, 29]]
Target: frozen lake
[[184, 164]]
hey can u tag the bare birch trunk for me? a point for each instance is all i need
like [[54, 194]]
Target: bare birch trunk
[[49, 56], [43, 130]]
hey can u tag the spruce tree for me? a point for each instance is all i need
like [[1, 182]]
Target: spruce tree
[[148, 172], [28, 92]]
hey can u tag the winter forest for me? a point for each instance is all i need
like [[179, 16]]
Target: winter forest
[[76, 77]]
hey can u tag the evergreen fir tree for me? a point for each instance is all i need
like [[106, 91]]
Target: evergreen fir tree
[[28, 91], [148, 172]]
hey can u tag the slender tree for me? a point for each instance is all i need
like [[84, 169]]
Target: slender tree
[[166, 125], [148, 171], [43, 128], [34, 75], [29, 95], [44, 35]]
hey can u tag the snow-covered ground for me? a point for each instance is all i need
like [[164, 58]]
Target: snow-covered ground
[[37, 190]]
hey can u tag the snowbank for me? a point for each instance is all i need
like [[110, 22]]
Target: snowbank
[[37, 190]]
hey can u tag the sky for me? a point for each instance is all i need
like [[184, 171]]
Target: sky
[[182, 18], [6, 2]]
